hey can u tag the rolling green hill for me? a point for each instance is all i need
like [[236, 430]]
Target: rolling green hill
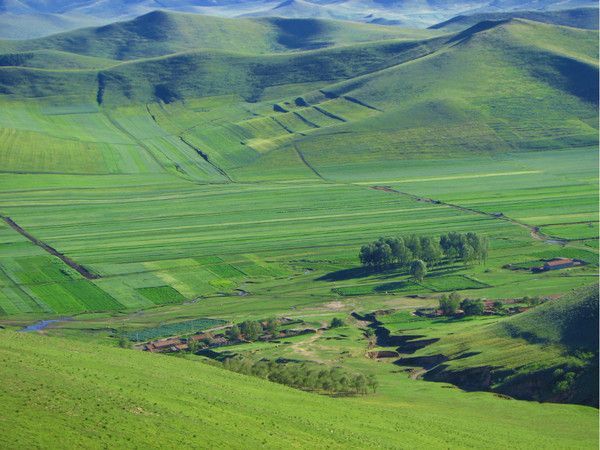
[[31, 18], [579, 18], [86, 395], [159, 33], [549, 353]]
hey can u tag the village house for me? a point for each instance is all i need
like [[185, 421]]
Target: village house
[[556, 264]]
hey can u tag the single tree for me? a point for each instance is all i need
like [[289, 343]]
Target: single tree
[[251, 330], [366, 255], [418, 269], [234, 333], [271, 325], [413, 243], [449, 304], [430, 251], [372, 382], [193, 345]]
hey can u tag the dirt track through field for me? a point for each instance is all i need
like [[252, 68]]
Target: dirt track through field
[[68, 261], [533, 230]]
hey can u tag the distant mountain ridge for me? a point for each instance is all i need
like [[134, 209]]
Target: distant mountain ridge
[[22, 19], [586, 18]]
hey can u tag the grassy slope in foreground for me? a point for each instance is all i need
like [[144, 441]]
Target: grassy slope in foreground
[[82, 395], [530, 355]]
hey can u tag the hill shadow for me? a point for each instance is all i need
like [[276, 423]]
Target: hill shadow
[[347, 274], [392, 272], [299, 33]]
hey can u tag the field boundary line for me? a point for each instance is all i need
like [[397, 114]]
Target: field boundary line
[[86, 273], [453, 177], [141, 143], [307, 164], [533, 230], [205, 157]]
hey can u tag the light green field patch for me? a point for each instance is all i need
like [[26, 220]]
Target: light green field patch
[[162, 295], [458, 177], [572, 231]]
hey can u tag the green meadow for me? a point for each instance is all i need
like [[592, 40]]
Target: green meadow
[[178, 173]]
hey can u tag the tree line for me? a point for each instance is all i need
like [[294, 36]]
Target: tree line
[[450, 304], [252, 330], [308, 377], [404, 251]]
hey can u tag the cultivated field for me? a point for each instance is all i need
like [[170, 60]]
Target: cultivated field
[[156, 187]]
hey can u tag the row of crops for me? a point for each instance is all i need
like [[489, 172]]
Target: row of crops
[[172, 329]]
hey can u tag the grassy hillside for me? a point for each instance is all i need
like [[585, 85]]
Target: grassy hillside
[[547, 353], [31, 18], [160, 33], [579, 18], [494, 88], [85, 395]]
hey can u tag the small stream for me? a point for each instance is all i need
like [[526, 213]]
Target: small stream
[[39, 326]]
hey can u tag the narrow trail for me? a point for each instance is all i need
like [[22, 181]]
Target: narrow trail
[[307, 164], [68, 261], [300, 349], [534, 231]]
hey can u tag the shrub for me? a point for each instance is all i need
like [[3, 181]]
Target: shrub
[[472, 307], [336, 323], [449, 304]]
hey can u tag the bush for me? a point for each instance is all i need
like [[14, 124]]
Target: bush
[[472, 307], [449, 304], [251, 330], [336, 323], [234, 333], [124, 342]]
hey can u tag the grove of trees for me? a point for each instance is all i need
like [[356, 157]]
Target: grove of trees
[[251, 330], [403, 251], [308, 377], [450, 304]]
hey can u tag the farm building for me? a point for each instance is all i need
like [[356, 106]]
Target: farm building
[[164, 345], [556, 264]]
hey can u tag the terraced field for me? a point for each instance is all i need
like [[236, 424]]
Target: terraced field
[[147, 224]]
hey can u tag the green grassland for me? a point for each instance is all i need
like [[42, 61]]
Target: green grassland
[[85, 394], [537, 347], [222, 170]]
